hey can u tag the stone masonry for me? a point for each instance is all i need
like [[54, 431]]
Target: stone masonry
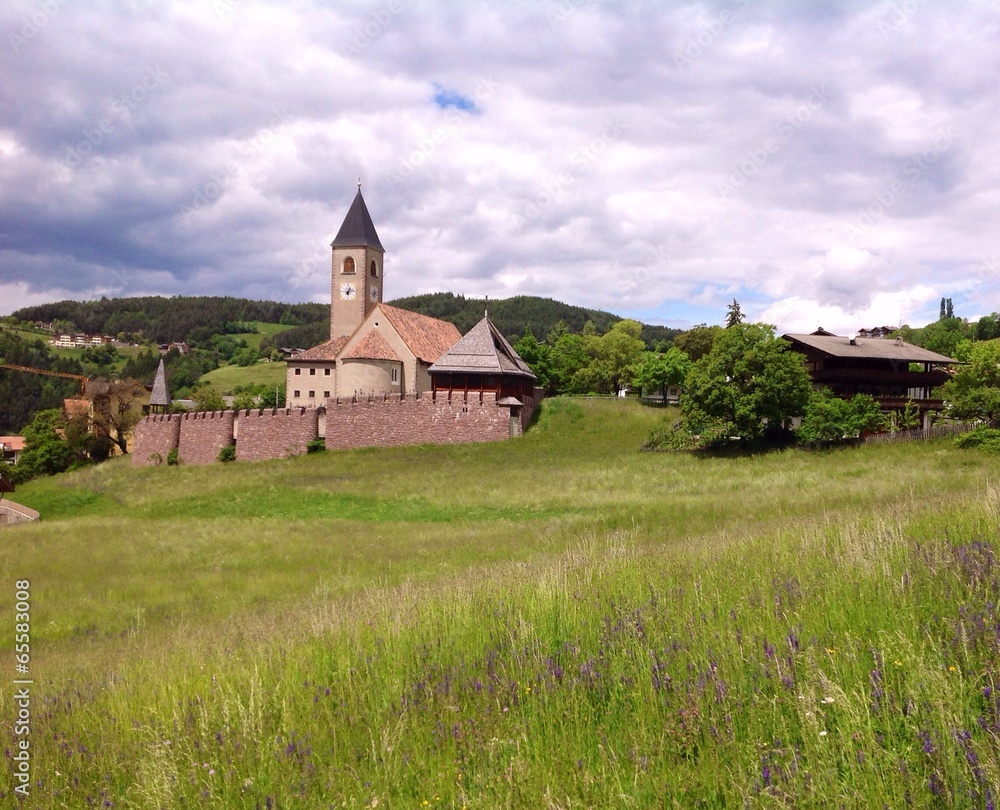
[[274, 432], [426, 419], [155, 437], [203, 435]]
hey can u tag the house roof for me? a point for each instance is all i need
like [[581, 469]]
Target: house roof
[[483, 350], [371, 347], [325, 352], [14, 443], [358, 230], [428, 338], [869, 348], [160, 395]]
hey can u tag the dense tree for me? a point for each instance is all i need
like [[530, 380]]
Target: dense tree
[[22, 394], [616, 353], [46, 451], [748, 380], [207, 398], [536, 355], [658, 371], [987, 327], [697, 341], [974, 390], [831, 419]]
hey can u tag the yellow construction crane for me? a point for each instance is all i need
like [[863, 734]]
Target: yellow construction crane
[[31, 370]]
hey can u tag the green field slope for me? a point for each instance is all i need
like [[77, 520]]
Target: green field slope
[[557, 621]]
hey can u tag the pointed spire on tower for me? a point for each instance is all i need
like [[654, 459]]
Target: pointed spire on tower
[[159, 399], [358, 229]]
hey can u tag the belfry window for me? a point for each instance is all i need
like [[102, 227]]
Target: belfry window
[[374, 268], [348, 265]]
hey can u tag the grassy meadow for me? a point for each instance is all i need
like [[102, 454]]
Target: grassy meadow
[[559, 621]]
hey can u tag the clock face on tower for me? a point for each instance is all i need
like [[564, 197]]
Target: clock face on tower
[[347, 291], [374, 293]]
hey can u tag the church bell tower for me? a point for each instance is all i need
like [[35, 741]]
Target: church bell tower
[[356, 273]]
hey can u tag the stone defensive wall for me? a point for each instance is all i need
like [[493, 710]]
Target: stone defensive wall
[[154, 438], [447, 417], [204, 434], [268, 433]]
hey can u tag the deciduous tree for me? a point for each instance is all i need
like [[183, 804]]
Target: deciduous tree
[[748, 380]]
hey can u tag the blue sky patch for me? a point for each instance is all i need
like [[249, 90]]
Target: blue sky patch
[[446, 98]]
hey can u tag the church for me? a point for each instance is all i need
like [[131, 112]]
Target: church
[[385, 377], [374, 348]]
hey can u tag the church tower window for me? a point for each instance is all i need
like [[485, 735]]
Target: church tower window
[[348, 265], [374, 269]]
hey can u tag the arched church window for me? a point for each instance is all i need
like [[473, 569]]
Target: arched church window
[[348, 265], [374, 269]]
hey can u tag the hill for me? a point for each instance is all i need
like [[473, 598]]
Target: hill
[[514, 315], [490, 621], [169, 319]]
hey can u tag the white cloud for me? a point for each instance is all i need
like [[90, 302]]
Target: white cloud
[[793, 158]]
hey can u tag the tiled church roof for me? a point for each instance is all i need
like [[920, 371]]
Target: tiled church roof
[[326, 352], [372, 347], [428, 338]]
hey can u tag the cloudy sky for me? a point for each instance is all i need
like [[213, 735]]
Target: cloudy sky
[[827, 163]]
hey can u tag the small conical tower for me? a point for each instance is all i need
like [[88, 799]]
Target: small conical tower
[[356, 273], [159, 399]]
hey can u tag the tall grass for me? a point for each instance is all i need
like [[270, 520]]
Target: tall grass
[[558, 621]]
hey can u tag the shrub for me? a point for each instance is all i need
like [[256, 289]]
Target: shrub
[[227, 453], [173, 458], [985, 438], [316, 446]]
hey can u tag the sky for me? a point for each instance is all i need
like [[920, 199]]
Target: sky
[[831, 164]]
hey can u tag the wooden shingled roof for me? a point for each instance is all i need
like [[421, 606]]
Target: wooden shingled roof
[[869, 348], [483, 350], [160, 395]]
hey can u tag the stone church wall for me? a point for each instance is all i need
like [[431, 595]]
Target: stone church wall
[[427, 419], [274, 432], [203, 435], [156, 435]]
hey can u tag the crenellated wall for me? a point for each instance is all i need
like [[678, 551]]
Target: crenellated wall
[[426, 419], [274, 432], [203, 435], [445, 418], [155, 436]]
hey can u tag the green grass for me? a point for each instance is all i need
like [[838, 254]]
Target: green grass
[[226, 378], [557, 621]]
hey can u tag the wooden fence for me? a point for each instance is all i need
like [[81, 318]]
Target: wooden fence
[[918, 435]]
